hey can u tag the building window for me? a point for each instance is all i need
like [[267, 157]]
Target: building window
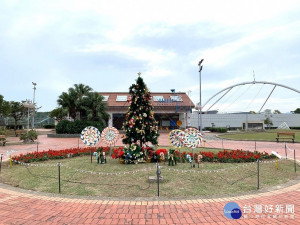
[[158, 98], [105, 98], [121, 98], [176, 98]]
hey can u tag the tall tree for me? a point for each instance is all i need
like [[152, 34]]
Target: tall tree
[[18, 111], [68, 101], [297, 111], [268, 122], [4, 107], [1, 100], [94, 108], [276, 111], [82, 91], [73, 99], [140, 125], [59, 113]]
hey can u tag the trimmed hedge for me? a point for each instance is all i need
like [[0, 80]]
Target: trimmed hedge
[[295, 128], [18, 127], [69, 127], [217, 129], [49, 126]]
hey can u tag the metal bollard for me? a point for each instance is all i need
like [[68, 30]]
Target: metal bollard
[[158, 172], [59, 190], [1, 162], [295, 161], [257, 173]]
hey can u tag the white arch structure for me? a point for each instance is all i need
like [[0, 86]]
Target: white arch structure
[[244, 83]]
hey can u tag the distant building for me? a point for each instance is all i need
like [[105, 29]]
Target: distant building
[[239, 120], [169, 108], [253, 125]]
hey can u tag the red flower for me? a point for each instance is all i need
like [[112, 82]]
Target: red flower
[[121, 153], [158, 151]]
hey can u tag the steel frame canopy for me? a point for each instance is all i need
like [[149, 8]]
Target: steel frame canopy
[[244, 83]]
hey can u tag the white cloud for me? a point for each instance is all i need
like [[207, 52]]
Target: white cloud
[[155, 56], [251, 41], [287, 77], [56, 82], [30, 25], [224, 33], [156, 73]]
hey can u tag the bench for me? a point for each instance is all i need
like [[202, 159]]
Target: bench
[[19, 132], [2, 140], [285, 135]]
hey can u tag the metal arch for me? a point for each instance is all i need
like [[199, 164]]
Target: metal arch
[[252, 82]]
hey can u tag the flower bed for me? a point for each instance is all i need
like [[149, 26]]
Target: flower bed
[[232, 156], [56, 154], [146, 154]]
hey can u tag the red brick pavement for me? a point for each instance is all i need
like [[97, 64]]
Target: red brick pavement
[[25, 207], [31, 208]]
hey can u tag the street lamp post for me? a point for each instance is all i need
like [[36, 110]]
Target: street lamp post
[[200, 102], [34, 88], [187, 113], [27, 104]]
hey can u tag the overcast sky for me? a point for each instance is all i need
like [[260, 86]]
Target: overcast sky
[[104, 44]]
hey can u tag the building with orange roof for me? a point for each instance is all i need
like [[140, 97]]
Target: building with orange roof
[[171, 109]]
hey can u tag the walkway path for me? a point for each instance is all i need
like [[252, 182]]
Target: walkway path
[[26, 207], [62, 143]]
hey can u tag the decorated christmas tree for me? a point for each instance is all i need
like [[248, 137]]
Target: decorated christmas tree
[[140, 125]]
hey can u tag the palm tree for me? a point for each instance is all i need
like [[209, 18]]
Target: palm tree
[[94, 108], [82, 91], [68, 101], [73, 100]]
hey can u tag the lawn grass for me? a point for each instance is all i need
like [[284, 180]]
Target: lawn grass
[[80, 177], [268, 135]]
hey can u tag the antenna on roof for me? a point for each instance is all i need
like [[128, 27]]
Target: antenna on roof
[[253, 76]]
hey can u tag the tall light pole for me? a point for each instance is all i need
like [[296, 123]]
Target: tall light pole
[[189, 94], [34, 88], [27, 104], [200, 102]]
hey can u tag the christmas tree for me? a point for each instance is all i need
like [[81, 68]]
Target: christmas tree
[[140, 125]]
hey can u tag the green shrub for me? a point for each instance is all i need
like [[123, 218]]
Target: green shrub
[[3, 131], [11, 127], [61, 127], [31, 136], [295, 128], [68, 127], [217, 129], [49, 126]]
